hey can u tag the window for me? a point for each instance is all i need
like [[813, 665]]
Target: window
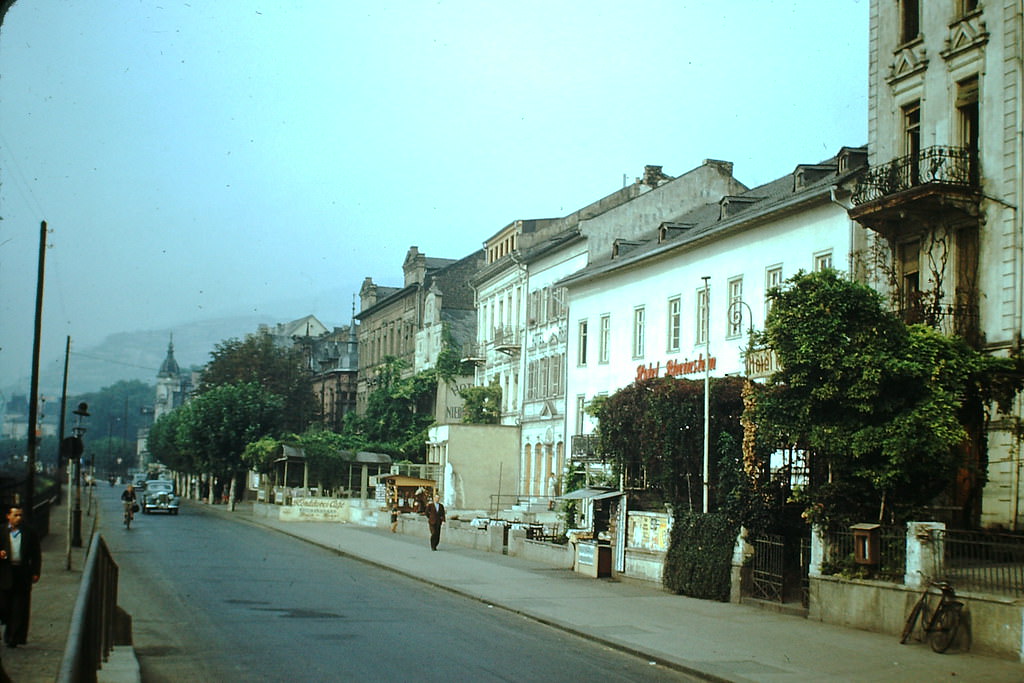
[[912, 138], [703, 298], [581, 352], [555, 368], [965, 7], [604, 338], [823, 261], [772, 278], [967, 121], [734, 315], [910, 20], [908, 254], [674, 321], [638, 332], [581, 405]]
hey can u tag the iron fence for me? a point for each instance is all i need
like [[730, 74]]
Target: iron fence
[[981, 561], [94, 621], [892, 554]]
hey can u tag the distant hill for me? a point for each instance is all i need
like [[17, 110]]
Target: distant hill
[[138, 355]]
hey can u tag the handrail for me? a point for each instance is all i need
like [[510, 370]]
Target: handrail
[[91, 634]]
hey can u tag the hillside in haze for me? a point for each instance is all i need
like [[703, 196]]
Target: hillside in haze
[[138, 355]]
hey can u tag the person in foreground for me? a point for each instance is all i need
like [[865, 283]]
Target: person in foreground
[[435, 518], [21, 564]]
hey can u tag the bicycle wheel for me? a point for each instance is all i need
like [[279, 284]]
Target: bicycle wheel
[[911, 622], [945, 625], [127, 521]]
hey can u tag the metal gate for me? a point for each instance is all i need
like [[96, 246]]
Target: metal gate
[[780, 568], [769, 567]]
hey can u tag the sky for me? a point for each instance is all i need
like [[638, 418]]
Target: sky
[[201, 159]]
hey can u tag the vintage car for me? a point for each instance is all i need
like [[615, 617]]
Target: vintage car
[[158, 496]]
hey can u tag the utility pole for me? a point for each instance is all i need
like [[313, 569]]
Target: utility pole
[[707, 394], [33, 406]]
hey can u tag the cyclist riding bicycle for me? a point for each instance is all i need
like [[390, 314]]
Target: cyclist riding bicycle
[[128, 500]]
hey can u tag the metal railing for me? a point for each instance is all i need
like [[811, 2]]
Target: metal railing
[[981, 561], [943, 165], [94, 620]]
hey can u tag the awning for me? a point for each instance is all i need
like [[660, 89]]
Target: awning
[[590, 494]]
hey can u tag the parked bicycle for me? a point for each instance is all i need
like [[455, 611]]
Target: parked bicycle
[[939, 625]]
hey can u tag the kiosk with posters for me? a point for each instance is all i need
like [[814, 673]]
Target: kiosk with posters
[[593, 547], [410, 493]]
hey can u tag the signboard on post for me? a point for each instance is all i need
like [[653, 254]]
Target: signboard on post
[[761, 363]]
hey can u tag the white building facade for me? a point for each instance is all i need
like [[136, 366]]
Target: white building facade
[[683, 304]]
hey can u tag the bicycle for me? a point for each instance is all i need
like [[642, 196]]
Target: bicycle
[[128, 515], [939, 626]]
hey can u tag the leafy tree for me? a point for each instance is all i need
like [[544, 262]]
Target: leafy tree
[[653, 432], [164, 445], [482, 404], [121, 409], [449, 359], [323, 450], [216, 426], [398, 413], [281, 371], [259, 455], [882, 408]]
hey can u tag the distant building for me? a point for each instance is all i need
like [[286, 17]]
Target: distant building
[[172, 385], [334, 362], [408, 323]]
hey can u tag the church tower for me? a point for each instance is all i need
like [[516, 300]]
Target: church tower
[[169, 385]]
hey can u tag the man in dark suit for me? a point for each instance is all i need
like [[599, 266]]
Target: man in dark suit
[[435, 517], [21, 563]]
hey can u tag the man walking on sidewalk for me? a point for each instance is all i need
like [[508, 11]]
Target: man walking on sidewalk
[[435, 517], [21, 563]]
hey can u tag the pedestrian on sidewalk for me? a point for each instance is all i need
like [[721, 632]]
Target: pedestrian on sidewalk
[[435, 518], [394, 518], [21, 563]]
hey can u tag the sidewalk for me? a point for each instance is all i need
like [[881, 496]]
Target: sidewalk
[[711, 640], [53, 601]]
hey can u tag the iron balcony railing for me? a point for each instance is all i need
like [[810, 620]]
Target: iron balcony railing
[[953, 166]]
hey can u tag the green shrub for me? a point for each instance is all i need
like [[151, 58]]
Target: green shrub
[[699, 559]]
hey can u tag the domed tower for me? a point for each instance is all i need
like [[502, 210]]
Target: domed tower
[[169, 392]]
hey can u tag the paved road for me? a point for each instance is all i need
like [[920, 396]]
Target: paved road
[[213, 599]]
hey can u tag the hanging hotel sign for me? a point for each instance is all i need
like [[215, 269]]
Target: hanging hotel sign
[[674, 368], [762, 363]]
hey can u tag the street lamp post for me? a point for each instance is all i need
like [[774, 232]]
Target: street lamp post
[[81, 412], [707, 393]]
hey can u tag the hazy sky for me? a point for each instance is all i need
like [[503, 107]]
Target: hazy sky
[[196, 159]]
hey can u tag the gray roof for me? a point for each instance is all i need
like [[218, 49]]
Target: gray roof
[[810, 182]]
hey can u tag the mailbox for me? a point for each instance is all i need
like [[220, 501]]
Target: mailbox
[[865, 543]]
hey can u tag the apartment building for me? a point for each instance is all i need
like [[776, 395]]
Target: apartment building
[[942, 199]]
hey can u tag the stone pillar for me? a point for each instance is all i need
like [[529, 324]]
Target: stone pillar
[[742, 551], [924, 553]]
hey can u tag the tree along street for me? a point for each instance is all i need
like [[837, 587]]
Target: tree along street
[[215, 599]]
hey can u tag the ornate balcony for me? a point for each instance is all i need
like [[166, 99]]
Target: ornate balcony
[[919, 186], [506, 340]]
